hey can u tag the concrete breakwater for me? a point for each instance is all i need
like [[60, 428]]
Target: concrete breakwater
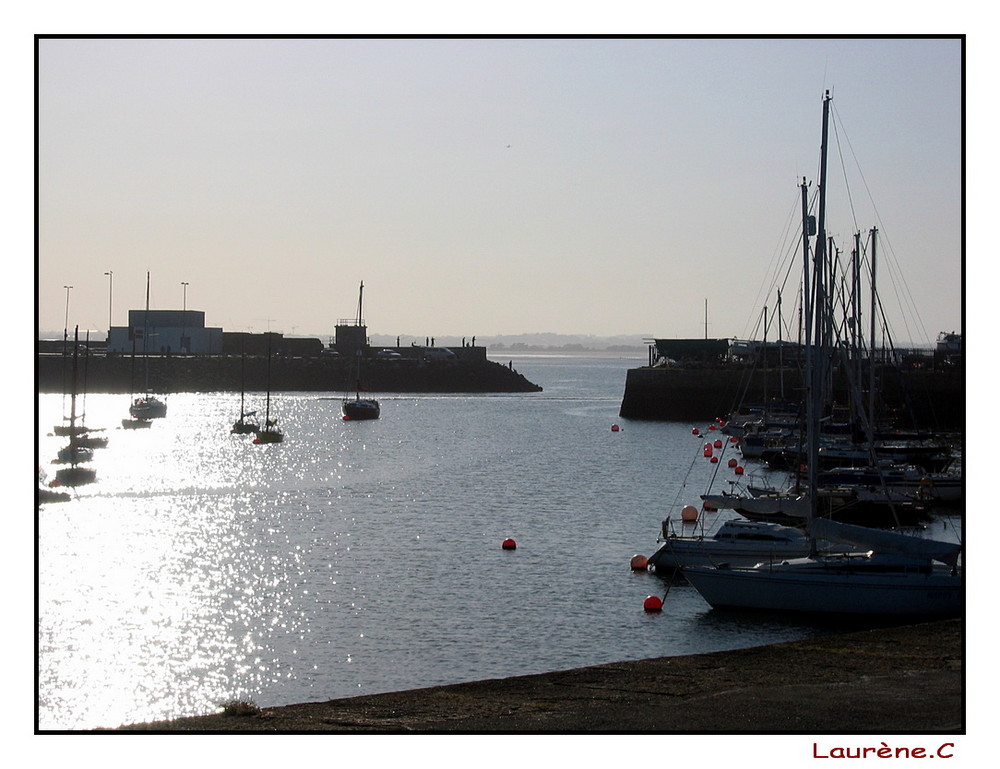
[[919, 398], [230, 373]]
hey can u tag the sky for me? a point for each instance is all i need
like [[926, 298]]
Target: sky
[[491, 186]]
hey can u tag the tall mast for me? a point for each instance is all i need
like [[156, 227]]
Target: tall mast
[[813, 360], [871, 351]]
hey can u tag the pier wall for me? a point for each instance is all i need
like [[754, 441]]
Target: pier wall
[[468, 372], [935, 399]]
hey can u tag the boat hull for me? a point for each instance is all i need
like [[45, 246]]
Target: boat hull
[[269, 436], [361, 409], [148, 408], [813, 589]]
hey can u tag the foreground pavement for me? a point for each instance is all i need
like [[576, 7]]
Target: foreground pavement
[[892, 680]]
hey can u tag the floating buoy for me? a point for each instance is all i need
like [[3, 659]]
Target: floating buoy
[[718, 444], [639, 562], [653, 603], [712, 426], [733, 439], [733, 463], [695, 431], [714, 460], [615, 428], [509, 544], [689, 513], [739, 470]]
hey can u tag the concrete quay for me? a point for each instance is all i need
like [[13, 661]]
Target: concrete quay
[[907, 679]]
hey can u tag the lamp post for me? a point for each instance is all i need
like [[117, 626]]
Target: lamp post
[[66, 322], [184, 348], [111, 279]]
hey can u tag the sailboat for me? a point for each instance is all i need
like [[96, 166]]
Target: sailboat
[[130, 423], [74, 453], [895, 574], [147, 406], [270, 432], [358, 407], [242, 426]]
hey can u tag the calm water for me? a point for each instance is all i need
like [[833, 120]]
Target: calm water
[[365, 557]]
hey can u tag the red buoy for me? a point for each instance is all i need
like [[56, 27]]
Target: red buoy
[[733, 462], [712, 427], [509, 544], [695, 431], [718, 444], [615, 428], [639, 562], [739, 470], [714, 460], [653, 603]]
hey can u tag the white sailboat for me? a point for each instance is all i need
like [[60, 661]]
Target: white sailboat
[[896, 574], [147, 406]]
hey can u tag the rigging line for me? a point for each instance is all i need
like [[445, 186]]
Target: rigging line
[[788, 258], [892, 260], [843, 168]]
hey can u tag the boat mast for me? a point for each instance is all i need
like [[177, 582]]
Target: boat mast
[[818, 311], [871, 351], [145, 338]]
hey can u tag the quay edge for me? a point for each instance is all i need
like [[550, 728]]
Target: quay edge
[[935, 398], [469, 373]]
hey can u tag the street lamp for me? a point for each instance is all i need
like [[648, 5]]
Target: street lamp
[[111, 279], [66, 322], [184, 348]]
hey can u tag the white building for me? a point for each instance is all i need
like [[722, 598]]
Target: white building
[[166, 331]]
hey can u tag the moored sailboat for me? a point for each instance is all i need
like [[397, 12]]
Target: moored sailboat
[[357, 407], [147, 406], [74, 454], [243, 425], [897, 574], [269, 432]]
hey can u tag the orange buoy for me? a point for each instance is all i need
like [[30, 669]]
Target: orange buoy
[[653, 603], [509, 544], [639, 562], [689, 513]]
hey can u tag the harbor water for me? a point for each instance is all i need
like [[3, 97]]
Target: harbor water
[[365, 557]]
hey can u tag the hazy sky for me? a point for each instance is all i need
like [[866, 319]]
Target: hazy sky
[[488, 186]]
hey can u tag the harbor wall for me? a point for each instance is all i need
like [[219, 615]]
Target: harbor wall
[[468, 372], [935, 399]]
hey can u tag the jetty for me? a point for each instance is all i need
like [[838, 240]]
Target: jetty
[[390, 370], [934, 398]]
